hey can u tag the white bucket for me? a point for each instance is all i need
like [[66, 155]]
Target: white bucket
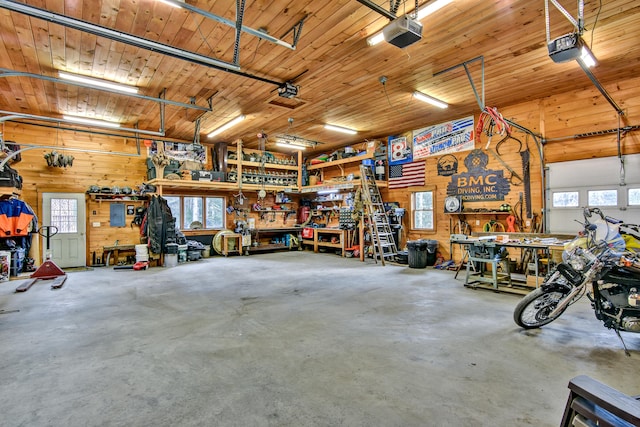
[[170, 260], [142, 258], [5, 265], [206, 252], [142, 250]]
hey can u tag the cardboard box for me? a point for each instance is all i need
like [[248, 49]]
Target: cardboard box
[[531, 281], [372, 146]]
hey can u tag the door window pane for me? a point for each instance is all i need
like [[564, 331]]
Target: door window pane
[[566, 199], [603, 198], [64, 215], [634, 197]]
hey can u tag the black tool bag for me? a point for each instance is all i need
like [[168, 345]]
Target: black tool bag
[[141, 211], [9, 178]]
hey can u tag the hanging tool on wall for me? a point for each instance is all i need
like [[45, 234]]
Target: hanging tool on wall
[[517, 212], [490, 119], [514, 179], [511, 222], [493, 226], [526, 155]]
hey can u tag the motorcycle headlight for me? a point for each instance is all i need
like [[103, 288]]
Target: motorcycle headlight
[[577, 263], [571, 247]]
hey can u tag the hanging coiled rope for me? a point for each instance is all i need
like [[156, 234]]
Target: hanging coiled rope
[[491, 123]]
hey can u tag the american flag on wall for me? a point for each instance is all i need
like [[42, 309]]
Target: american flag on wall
[[406, 174]]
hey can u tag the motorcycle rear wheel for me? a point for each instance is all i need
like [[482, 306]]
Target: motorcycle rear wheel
[[533, 310]]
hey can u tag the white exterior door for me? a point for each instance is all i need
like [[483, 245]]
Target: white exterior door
[[67, 213]]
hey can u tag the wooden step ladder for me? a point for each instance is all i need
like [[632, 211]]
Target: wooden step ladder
[[384, 245]]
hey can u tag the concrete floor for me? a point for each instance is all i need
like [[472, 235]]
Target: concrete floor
[[290, 339]]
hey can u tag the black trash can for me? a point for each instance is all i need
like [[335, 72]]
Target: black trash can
[[432, 249], [417, 253]]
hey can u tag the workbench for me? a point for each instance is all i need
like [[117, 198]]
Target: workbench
[[484, 250], [115, 251], [330, 238]]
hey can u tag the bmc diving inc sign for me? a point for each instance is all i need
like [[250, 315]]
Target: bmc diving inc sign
[[478, 184]]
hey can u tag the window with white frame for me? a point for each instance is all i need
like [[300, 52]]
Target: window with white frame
[[602, 197], [566, 199], [422, 210], [634, 196], [192, 212]]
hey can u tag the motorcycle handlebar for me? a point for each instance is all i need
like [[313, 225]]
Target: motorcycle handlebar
[[613, 220], [590, 211]]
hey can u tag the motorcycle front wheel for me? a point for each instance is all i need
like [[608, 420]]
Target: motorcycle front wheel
[[533, 310]]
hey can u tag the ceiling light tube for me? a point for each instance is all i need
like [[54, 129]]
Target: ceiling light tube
[[226, 126], [99, 83], [172, 3], [422, 13], [375, 39], [291, 145], [432, 7], [91, 122], [587, 57], [430, 100], [341, 129]]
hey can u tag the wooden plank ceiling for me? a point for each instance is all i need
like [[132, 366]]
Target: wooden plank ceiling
[[338, 74]]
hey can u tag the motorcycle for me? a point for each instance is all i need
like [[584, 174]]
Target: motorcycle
[[603, 263]]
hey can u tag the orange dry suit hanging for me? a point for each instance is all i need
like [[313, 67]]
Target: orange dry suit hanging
[[15, 218]]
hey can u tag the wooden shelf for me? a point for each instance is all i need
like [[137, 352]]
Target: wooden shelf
[[353, 159], [266, 165], [214, 185], [106, 197], [329, 186], [480, 213], [268, 247]]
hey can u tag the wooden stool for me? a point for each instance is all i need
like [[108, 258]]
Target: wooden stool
[[225, 243]]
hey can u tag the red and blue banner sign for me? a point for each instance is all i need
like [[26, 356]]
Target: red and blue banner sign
[[449, 137]]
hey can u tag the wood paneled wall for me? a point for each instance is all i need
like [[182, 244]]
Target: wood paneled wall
[[584, 111], [101, 167], [558, 118]]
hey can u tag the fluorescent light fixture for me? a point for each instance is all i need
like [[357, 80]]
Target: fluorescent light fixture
[[340, 129], [328, 191], [295, 142], [91, 122], [99, 83], [291, 145], [171, 3], [586, 56], [430, 100], [226, 126], [422, 13], [432, 7], [375, 39]]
